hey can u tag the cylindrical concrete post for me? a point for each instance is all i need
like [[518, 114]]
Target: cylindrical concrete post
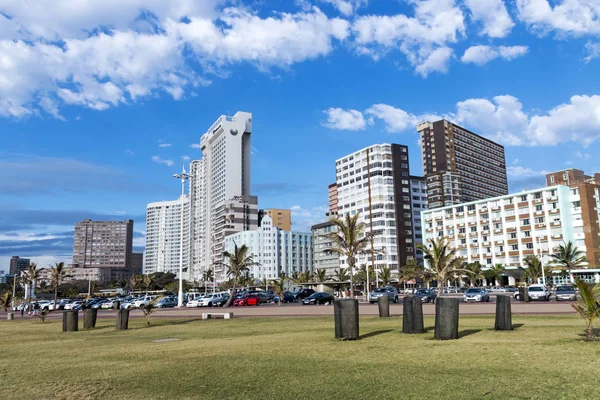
[[10, 316], [70, 321], [89, 318], [446, 318], [412, 315], [345, 313], [503, 314], [122, 320], [384, 306], [117, 305]]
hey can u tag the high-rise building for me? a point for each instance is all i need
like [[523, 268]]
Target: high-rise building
[[321, 260], [506, 229], [163, 237], [275, 250], [418, 195], [18, 264], [281, 218], [390, 198], [106, 245], [333, 199], [459, 165], [221, 200]]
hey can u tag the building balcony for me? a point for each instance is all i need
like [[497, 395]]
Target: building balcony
[[538, 213], [509, 230], [496, 208], [554, 223], [540, 225], [460, 214], [472, 212], [538, 201], [559, 237], [509, 206], [462, 235], [500, 242], [486, 243], [462, 246], [555, 211], [462, 224], [497, 219], [474, 245], [500, 254], [497, 230], [522, 204]]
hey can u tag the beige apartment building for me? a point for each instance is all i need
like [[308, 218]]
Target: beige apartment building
[[281, 218]]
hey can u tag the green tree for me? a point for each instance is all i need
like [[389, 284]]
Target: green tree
[[588, 306], [134, 281], [149, 308], [30, 277], [320, 275], [306, 276], [350, 241], [533, 269], [385, 275], [147, 280], [342, 276], [568, 257], [494, 273], [208, 276], [58, 273], [442, 260], [361, 275], [238, 262], [473, 272], [5, 300], [410, 271], [279, 285]]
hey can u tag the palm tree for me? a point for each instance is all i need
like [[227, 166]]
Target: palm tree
[[473, 271], [306, 276], [442, 260], [57, 274], [341, 276], [494, 274], [410, 271], [29, 277], [320, 275], [296, 278], [134, 281], [208, 275], [427, 277], [279, 285], [238, 262], [361, 275], [147, 280], [350, 241], [5, 300], [533, 271], [588, 306], [149, 308], [385, 275], [568, 257]]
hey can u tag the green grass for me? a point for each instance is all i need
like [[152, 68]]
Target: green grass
[[293, 358]]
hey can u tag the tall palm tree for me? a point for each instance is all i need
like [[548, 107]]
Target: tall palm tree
[[30, 277], [279, 285], [5, 300], [588, 306], [442, 260], [568, 257], [57, 274], [134, 281], [473, 271], [361, 275], [238, 263], [320, 275], [306, 276], [494, 274], [208, 275], [147, 280], [349, 241], [533, 270], [341, 276], [385, 275], [410, 271]]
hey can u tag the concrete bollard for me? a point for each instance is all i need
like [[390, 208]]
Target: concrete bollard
[[122, 320], [384, 306], [446, 318], [70, 321], [412, 315], [116, 305], [503, 314], [345, 313], [10, 316], [89, 318]]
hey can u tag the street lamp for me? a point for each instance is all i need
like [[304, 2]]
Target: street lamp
[[183, 176], [541, 261]]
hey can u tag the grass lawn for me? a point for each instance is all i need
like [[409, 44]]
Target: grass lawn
[[298, 358]]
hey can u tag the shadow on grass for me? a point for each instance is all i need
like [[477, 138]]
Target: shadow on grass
[[517, 326], [375, 333], [154, 324], [468, 332], [429, 328]]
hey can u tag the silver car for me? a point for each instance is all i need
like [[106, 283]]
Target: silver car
[[477, 295], [565, 292], [388, 291]]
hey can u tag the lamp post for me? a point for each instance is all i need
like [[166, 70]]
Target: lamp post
[[541, 262], [183, 176]]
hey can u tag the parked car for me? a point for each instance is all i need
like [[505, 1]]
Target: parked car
[[193, 303], [74, 305], [167, 302], [248, 300], [426, 295], [213, 300], [128, 305], [536, 292], [497, 289], [565, 292], [451, 289], [266, 296], [319, 298], [477, 295], [388, 291], [108, 304], [304, 293], [144, 300], [288, 297]]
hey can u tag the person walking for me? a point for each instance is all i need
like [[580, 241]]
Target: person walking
[[36, 308], [22, 310]]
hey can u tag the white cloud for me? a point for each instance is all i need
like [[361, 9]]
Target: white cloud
[[581, 155], [436, 61], [396, 120], [523, 172], [304, 218], [493, 15], [161, 144], [351, 120], [566, 17], [593, 50], [195, 145], [423, 39], [481, 55], [158, 160], [131, 153], [346, 7]]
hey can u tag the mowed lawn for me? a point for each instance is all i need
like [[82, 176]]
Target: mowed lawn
[[298, 358]]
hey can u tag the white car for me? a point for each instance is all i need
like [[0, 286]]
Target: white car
[[211, 300], [536, 292], [497, 289], [128, 305], [73, 305], [143, 301], [193, 304]]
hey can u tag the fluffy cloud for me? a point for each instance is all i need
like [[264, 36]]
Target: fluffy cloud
[[574, 17], [422, 39], [593, 50], [502, 119], [481, 55], [346, 7], [158, 160], [86, 54], [350, 120], [522, 172], [493, 15]]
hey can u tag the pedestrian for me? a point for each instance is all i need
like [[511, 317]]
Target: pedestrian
[[36, 308], [22, 310]]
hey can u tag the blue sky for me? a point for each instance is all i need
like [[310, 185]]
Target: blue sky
[[100, 102]]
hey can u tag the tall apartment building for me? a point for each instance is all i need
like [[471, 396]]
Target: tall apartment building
[[163, 237], [274, 249], [221, 201], [18, 264], [587, 188], [106, 245], [281, 218], [390, 198], [333, 198], [321, 260], [418, 196], [459, 165], [506, 229]]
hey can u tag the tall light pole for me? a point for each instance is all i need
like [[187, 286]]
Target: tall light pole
[[541, 261], [183, 176]]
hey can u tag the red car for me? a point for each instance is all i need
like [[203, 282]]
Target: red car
[[250, 300]]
